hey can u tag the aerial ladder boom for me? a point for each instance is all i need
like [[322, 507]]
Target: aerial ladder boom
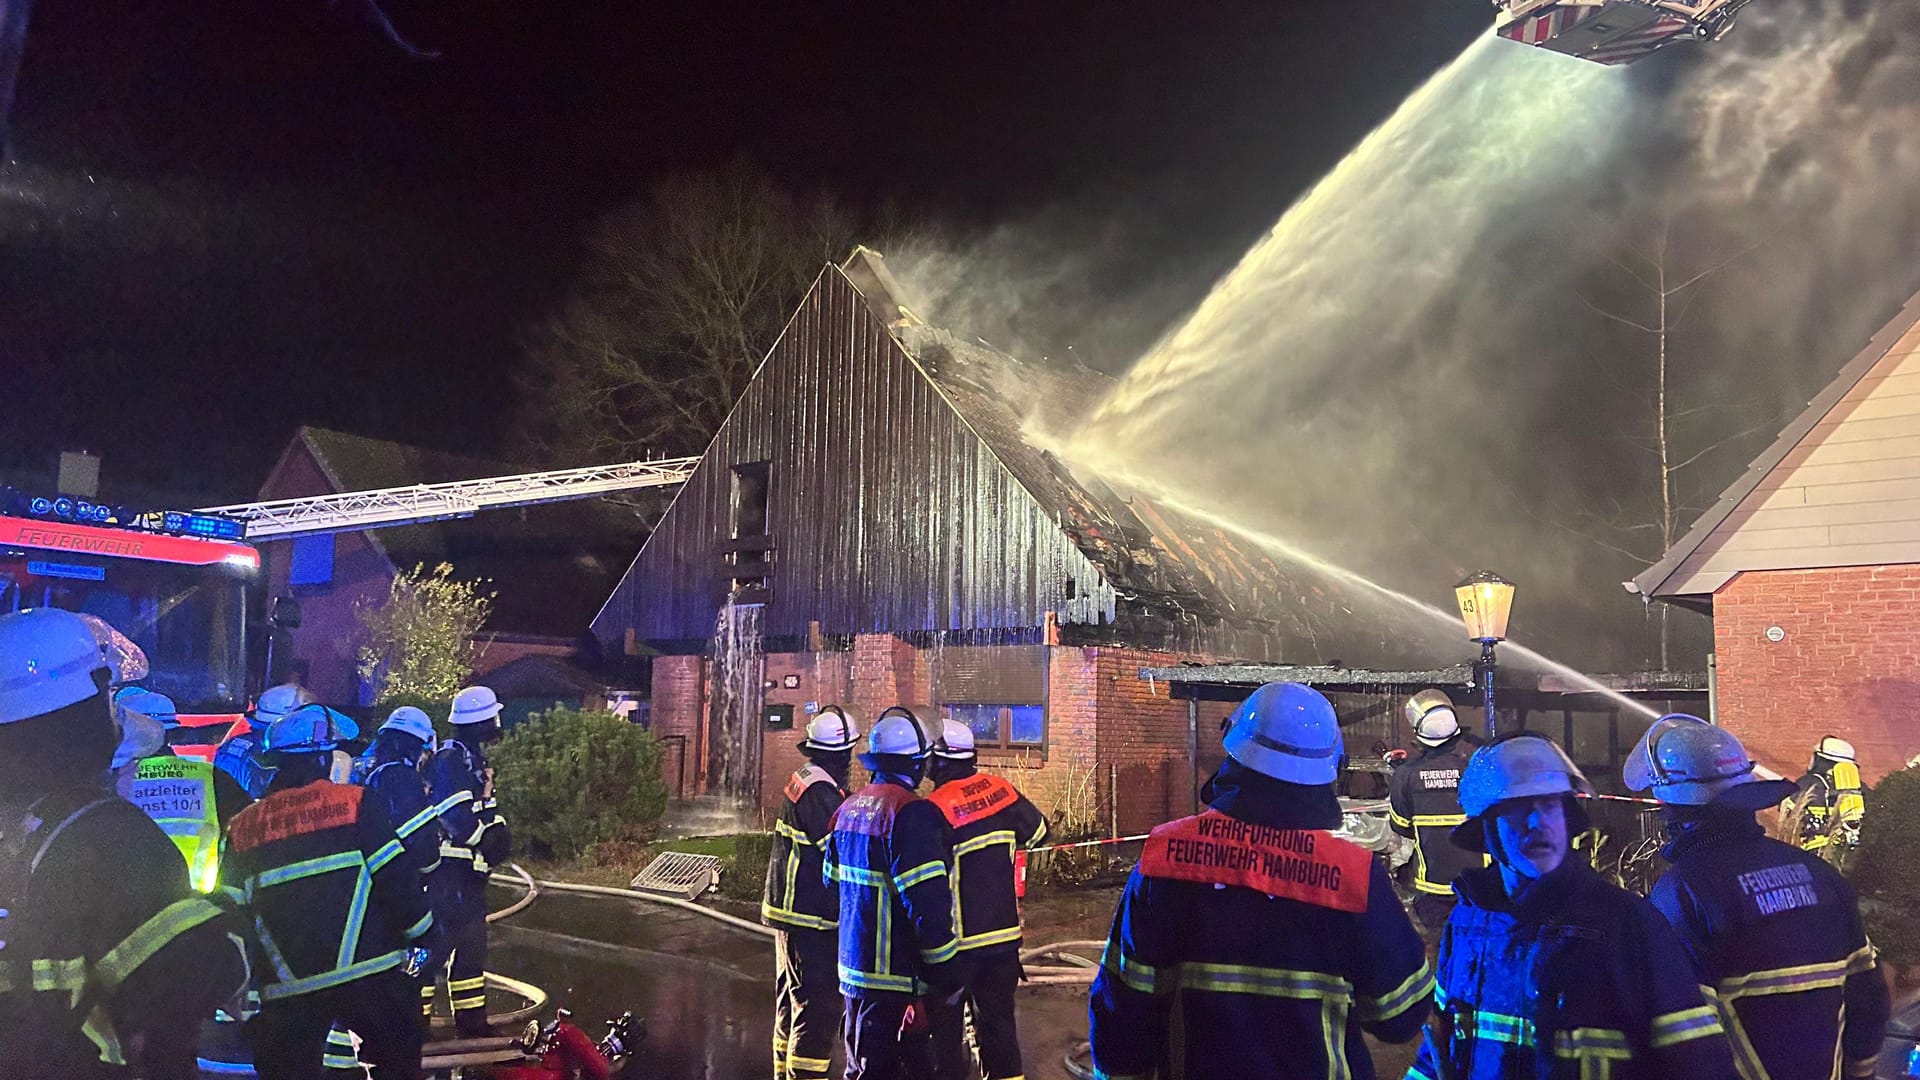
[[353, 511]]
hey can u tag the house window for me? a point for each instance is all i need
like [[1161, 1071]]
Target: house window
[[750, 484], [311, 564], [1000, 691], [1013, 727]]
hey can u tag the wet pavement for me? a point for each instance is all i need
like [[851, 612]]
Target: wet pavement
[[705, 989]]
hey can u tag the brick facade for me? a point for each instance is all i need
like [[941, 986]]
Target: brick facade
[[1107, 729], [679, 705], [1847, 665]]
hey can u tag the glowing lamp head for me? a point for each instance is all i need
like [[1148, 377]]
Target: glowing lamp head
[[1486, 599]]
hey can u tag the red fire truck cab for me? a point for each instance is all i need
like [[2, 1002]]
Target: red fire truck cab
[[174, 583]]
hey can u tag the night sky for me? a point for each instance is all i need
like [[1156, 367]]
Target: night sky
[[223, 220]]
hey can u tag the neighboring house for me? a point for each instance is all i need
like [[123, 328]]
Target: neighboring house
[[1810, 567], [548, 566], [874, 526]]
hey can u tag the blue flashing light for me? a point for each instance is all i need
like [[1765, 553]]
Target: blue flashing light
[[83, 511]]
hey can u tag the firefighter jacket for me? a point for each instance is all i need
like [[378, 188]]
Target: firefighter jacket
[[1578, 979], [888, 855], [1424, 797], [1775, 936], [476, 834], [797, 896], [986, 820], [401, 792], [335, 896], [1277, 942], [1832, 806], [106, 943], [236, 757]]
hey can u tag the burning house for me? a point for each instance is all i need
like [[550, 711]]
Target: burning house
[[874, 524]]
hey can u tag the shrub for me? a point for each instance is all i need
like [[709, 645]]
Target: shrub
[[746, 874], [570, 778], [1886, 867]]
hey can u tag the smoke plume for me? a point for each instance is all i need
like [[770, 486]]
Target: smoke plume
[[1411, 374]]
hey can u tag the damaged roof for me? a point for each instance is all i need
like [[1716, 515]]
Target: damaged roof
[[1158, 559]]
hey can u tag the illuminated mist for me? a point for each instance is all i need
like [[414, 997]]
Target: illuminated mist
[[1405, 376]]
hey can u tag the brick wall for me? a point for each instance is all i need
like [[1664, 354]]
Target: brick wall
[[678, 701], [1848, 665], [824, 679]]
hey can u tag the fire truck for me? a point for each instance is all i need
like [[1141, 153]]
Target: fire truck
[[1613, 31], [175, 583]]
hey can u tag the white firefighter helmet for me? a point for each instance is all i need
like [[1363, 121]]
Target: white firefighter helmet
[[1836, 748], [831, 729], [309, 729], [48, 661], [1527, 765], [899, 732], [1430, 712], [474, 705], [1287, 731], [144, 718], [956, 741], [277, 701], [412, 721], [1689, 762]]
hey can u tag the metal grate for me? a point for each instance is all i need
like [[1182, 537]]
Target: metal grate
[[679, 873]]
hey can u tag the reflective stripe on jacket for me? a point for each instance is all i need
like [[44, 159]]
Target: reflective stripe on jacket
[[987, 819], [888, 855], [797, 896], [106, 944], [476, 838], [334, 894], [1775, 936], [1581, 979], [1278, 946], [1424, 796]]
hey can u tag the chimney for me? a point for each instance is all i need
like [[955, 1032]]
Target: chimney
[[79, 474]]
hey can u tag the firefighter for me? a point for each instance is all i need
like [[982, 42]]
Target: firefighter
[[1278, 942], [190, 800], [986, 820], [802, 908], [888, 853], [460, 783], [1831, 807], [1424, 797], [110, 959], [390, 771], [1545, 968], [236, 757], [1773, 932], [337, 904]]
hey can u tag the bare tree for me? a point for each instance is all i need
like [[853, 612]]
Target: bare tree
[[1670, 293], [685, 292]]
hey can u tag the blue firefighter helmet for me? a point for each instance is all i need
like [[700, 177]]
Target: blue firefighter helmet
[[1289, 732]]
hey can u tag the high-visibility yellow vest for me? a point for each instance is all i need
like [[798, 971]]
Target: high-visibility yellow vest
[[177, 793]]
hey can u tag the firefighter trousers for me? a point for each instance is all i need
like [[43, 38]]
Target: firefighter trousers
[[806, 1002], [989, 996], [466, 980], [289, 1037], [875, 1048]]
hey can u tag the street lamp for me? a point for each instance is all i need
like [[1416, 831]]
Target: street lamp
[[1486, 599]]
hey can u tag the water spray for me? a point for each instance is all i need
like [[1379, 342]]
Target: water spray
[[1158, 492]]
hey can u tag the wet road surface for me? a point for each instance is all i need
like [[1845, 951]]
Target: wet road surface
[[705, 989]]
